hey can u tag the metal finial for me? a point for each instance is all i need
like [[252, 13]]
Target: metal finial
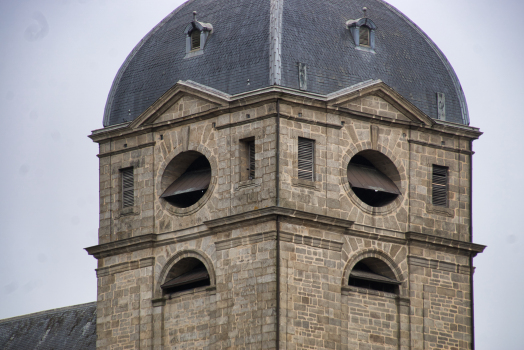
[[365, 9], [194, 15]]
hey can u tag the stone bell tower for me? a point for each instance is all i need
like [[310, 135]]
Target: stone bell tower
[[270, 185]]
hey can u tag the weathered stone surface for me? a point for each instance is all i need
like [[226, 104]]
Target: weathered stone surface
[[280, 249]]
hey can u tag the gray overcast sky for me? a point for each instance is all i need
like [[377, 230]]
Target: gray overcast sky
[[58, 59]]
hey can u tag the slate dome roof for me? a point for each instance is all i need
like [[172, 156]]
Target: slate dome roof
[[264, 40]]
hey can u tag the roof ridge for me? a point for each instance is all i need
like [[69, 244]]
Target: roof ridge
[[275, 38], [50, 311]]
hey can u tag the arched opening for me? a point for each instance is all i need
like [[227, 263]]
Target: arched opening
[[373, 178], [188, 273], [364, 34], [374, 274], [186, 179]]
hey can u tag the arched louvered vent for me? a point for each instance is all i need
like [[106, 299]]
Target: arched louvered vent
[[188, 273], [374, 274]]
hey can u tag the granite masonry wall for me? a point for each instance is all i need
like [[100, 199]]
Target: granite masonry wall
[[279, 253]]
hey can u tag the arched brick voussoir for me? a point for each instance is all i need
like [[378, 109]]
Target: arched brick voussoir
[[187, 253], [389, 153], [378, 254]]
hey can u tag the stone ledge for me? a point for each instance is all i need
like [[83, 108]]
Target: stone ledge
[[129, 149], [245, 240], [471, 248], [271, 213], [438, 265], [311, 241], [311, 122], [138, 243], [444, 148], [246, 121], [375, 236], [126, 266], [122, 246]]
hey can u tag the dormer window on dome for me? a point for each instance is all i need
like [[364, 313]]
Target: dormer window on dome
[[363, 33], [197, 34]]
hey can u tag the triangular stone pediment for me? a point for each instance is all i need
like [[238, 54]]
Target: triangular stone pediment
[[375, 105], [184, 99], [184, 106], [375, 98]]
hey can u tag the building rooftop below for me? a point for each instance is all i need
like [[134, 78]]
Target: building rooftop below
[[68, 328]]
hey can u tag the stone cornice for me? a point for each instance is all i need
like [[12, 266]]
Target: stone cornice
[[268, 214], [122, 246], [444, 148], [245, 240], [291, 216], [421, 239], [141, 242], [125, 150], [314, 242], [220, 225], [125, 266], [229, 103], [445, 243], [439, 265]]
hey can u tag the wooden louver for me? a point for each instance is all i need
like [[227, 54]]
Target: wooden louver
[[306, 157], [364, 36], [251, 148], [195, 40], [440, 186], [128, 188]]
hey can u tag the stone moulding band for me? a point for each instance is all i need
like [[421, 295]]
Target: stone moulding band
[[439, 265], [245, 240], [124, 150], [126, 266], [444, 148], [288, 215]]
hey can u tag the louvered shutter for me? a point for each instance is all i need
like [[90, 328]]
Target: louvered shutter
[[306, 157], [440, 186], [128, 188], [251, 147], [195, 40], [364, 36]]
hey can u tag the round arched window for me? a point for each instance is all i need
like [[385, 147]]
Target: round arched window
[[188, 273], [374, 274]]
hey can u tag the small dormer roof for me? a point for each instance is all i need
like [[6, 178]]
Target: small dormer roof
[[361, 22]]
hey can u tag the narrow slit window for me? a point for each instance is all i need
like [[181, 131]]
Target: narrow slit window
[[364, 36], [440, 186], [251, 159], [195, 40], [306, 159], [128, 188]]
